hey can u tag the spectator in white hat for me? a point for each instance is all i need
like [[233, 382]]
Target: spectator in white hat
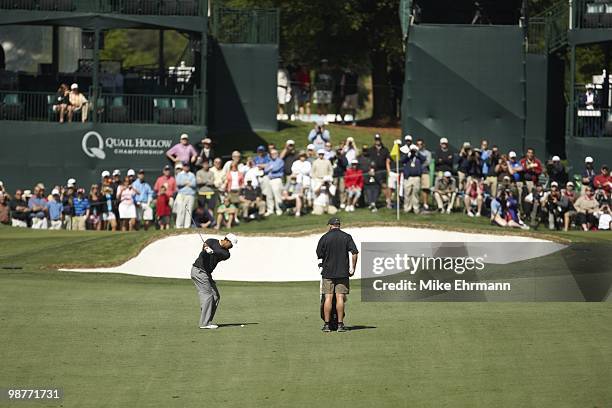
[[319, 135], [408, 140], [321, 168], [54, 209], [127, 208], [588, 174], [444, 158], [311, 153], [302, 169], [131, 175], [78, 103], [323, 195], [182, 152], [350, 149], [185, 199], [206, 153], [556, 171]]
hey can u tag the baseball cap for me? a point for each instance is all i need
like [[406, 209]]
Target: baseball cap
[[1, 184], [290, 142], [167, 167], [321, 151], [105, 173], [71, 182], [334, 221], [467, 144], [178, 166], [354, 161], [55, 192], [74, 86], [40, 186], [131, 172], [140, 171], [512, 154], [556, 158], [413, 147], [27, 193], [554, 183], [232, 238], [569, 183], [447, 174], [207, 140], [377, 136], [350, 139], [588, 159], [408, 137], [310, 147], [116, 172], [184, 136], [443, 140], [261, 148]]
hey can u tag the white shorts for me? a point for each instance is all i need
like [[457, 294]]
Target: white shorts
[[145, 212], [109, 216], [127, 210], [392, 180]]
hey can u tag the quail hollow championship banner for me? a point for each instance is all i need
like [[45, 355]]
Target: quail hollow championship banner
[[485, 271]]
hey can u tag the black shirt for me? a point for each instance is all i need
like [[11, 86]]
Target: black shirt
[[17, 214], [333, 249], [208, 262], [379, 157]]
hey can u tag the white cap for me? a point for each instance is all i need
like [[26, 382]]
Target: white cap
[[569, 183], [556, 158], [354, 161], [71, 182], [290, 142], [414, 147], [131, 172], [178, 165], [467, 144], [74, 86], [512, 154], [321, 151], [310, 147], [448, 174], [350, 139], [55, 191], [397, 141], [1, 184], [232, 238], [105, 173], [328, 178], [443, 140], [184, 136], [27, 193], [554, 183], [408, 137], [116, 172], [588, 159]]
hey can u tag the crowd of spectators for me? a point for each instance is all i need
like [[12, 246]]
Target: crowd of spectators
[[201, 190]]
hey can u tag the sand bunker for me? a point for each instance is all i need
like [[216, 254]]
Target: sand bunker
[[289, 259]]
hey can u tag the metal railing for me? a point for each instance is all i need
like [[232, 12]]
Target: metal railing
[[592, 122], [251, 26], [144, 7], [537, 36], [106, 108], [593, 13]]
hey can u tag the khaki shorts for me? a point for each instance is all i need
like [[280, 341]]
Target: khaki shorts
[[335, 285], [425, 181]]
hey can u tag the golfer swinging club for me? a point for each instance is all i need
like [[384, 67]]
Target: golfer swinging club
[[213, 252], [332, 250]]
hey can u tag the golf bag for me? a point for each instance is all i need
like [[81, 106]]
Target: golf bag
[[333, 321]]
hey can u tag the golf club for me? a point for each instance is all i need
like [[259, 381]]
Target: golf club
[[195, 223]]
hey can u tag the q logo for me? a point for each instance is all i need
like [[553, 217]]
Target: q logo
[[94, 151]]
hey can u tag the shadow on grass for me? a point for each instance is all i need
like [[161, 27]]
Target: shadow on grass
[[360, 327], [235, 324]]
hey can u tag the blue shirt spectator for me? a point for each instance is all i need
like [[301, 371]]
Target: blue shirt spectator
[[35, 201], [261, 158], [81, 205], [186, 182], [484, 156], [55, 210], [413, 164], [145, 192], [319, 135], [275, 168]]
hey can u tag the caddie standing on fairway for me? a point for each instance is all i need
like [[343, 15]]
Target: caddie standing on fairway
[[333, 249], [213, 252]]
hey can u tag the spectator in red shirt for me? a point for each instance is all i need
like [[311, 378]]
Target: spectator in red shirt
[[166, 179], [162, 208], [353, 184], [603, 181], [532, 167]]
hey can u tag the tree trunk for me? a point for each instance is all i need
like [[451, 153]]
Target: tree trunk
[[381, 91]]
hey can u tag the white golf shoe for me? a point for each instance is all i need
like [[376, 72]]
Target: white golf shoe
[[209, 326]]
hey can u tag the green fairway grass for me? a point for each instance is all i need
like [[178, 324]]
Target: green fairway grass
[[126, 341]]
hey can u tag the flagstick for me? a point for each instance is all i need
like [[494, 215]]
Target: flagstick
[[397, 190]]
